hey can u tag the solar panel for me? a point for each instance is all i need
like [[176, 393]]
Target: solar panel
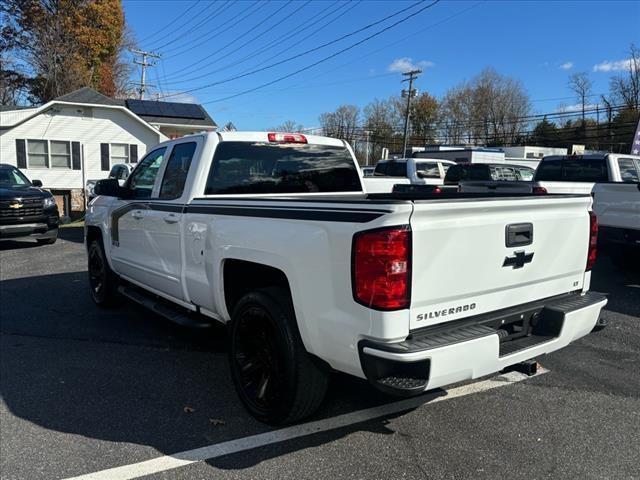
[[166, 109]]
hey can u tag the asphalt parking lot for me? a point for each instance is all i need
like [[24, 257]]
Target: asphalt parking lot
[[86, 390]]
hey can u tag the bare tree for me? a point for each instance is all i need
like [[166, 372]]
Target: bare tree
[[381, 121], [342, 123], [491, 109], [288, 126], [581, 85], [455, 113], [625, 89]]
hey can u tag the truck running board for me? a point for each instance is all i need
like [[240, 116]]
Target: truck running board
[[164, 308]]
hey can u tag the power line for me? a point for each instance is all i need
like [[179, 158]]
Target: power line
[[252, 39], [342, 14], [268, 46], [192, 29], [171, 23], [173, 28], [236, 77], [214, 29]]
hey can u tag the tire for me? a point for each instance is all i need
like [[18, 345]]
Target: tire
[[276, 379], [46, 241], [103, 282]]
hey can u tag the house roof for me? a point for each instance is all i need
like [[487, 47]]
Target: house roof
[[89, 96], [171, 113], [147, 111]]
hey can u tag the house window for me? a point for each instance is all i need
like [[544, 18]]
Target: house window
[[60, 154], [38, 153], [119, 153]]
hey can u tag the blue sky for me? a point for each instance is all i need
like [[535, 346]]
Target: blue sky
[[540, 43]]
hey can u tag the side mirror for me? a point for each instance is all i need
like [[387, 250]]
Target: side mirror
[[108, 187], [36, 183]]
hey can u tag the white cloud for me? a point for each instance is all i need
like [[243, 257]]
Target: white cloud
[[179, 97], [576, 107], [566, 66], [613, 66], [405, 64]]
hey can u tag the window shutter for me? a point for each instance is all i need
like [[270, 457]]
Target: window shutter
[[21, 153], [75, 155], [104, 157], [133, 153]]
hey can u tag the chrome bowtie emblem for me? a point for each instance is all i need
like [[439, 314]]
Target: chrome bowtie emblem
[[16, 204]]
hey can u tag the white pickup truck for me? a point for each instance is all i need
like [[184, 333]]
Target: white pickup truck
[[579, 173], [618, 208], [406, 171], [273, 235]]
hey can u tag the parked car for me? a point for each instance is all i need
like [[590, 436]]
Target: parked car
[[414, 171], [26, 209], [314, 275], [120, 172], [486, 172]]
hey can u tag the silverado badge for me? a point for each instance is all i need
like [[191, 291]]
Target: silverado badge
[[518, 260]]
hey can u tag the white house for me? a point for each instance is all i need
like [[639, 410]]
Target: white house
[[78, 137]]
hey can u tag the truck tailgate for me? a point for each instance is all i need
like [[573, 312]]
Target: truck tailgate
[[462, 265]]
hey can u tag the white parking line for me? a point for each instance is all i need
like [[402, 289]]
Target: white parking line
[[169, 462]]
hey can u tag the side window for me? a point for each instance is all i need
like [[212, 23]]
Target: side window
[[381, 168], [525, 174], [142, 179], [496, 174], [628, 169], [175, 174], [428, 170], [508, 174], [397, 169]]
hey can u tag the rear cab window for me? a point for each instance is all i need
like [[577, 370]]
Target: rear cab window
[[391, 169], [457, 173], [629, 169], [572, 169], [258, 168]]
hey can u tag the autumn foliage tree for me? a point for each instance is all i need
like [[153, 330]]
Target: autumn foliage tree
[[66, 44]]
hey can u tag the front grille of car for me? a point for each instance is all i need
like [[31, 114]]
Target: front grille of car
[[30, 207]]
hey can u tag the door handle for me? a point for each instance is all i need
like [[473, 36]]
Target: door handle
[[172, 218], [137, 214]]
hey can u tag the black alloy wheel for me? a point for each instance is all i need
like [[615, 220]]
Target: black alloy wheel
[[275, 377]]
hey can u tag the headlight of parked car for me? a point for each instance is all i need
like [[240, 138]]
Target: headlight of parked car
[[49, 202]]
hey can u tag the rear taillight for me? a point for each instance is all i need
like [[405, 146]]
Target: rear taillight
[[593, 241], [382, 268], [539, 191], [286, 138]]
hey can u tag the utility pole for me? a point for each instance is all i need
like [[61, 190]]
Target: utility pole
[[412, 75], [144, 64], [368, 132]]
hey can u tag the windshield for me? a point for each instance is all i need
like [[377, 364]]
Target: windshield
[[243, 167], [13, 178], [567, 169]]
